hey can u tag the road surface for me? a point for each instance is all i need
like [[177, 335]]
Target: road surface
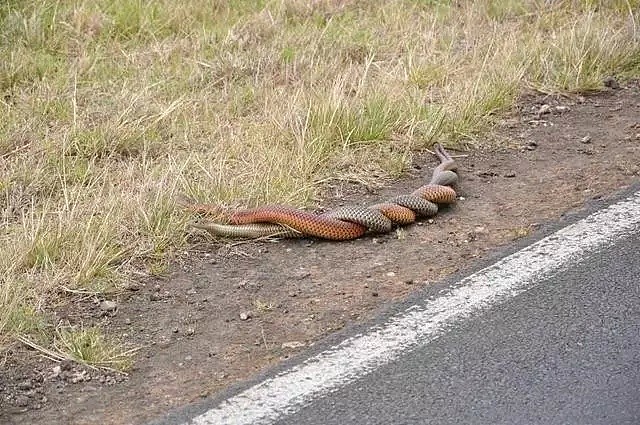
[[549, 334]]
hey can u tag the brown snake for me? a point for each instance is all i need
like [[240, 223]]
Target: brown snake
[[340, 224]]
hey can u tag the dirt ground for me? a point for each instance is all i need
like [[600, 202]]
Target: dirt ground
[[226, 312]]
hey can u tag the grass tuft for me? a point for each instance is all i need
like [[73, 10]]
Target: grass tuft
[[90, 346]]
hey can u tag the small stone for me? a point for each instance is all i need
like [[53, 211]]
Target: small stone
[[175, 330], [188, 358], [127, 321], [409, 282], [480, 230], [108, 306], [510, 175], [154, 296], [390, 274], [562, 109], [586, 139], [55, 372], [190, 331], [293, 344], [461, 198], [611, 83], [132, 286], [245, 316]]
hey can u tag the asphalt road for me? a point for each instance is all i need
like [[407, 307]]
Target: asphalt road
[[549, 334], [565, 352]]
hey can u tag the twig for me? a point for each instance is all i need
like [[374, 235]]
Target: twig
[[264, 338]]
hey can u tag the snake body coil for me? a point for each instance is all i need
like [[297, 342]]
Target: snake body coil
[[341, 224]]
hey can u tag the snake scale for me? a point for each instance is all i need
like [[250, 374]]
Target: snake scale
[[341, 224]]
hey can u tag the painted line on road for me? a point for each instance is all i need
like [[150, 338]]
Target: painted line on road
[[332, 369]]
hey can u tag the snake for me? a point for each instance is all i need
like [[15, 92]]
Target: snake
[[341, 224]]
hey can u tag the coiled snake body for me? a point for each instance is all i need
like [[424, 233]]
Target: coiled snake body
[[340, 224]]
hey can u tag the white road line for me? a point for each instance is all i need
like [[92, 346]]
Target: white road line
[[326, 372]]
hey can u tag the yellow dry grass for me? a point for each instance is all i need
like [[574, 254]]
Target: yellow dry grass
[[111, 108]]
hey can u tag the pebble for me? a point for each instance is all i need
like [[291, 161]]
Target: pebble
[[390, 274], [245, 316], [293, 344], [562, 109], [108, 306], [55, 372], [190, 331], [586, 139], [132, 286]]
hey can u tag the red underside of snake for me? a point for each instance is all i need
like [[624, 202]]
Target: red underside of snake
[[342, 224]]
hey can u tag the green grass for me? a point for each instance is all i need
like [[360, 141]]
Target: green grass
[[112, 108]]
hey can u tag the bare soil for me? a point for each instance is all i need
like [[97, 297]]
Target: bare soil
[[225, 312]]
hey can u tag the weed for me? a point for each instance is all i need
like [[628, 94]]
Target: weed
[[91, 347]]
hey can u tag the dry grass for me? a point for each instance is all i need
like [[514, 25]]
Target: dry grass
[[110, 108]]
